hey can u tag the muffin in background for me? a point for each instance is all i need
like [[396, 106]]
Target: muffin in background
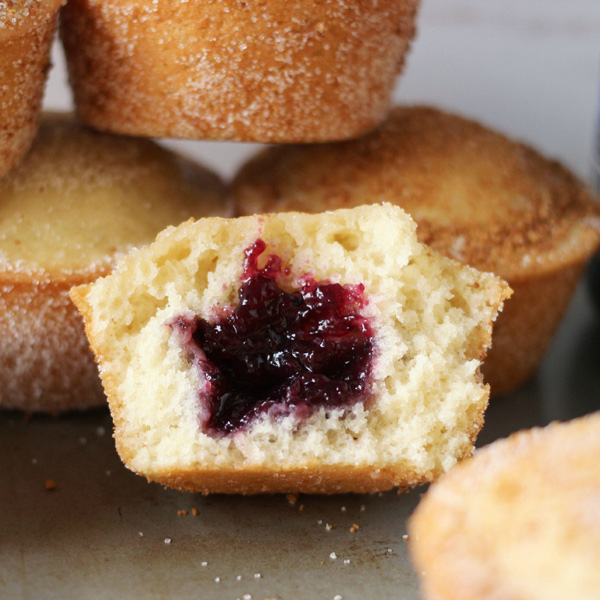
[[77, 202], [276, 71], [26, 31], [476, 195]]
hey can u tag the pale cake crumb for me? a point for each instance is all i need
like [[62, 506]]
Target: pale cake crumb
[[432, 321]]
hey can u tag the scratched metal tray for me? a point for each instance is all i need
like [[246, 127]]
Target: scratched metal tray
[[103, 532]]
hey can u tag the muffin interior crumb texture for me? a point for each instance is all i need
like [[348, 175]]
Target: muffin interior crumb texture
[[431, 320]]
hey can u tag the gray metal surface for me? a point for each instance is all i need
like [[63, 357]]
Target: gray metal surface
[[104, 532]]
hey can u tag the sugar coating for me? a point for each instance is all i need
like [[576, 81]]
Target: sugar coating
[[519, 520], [45, 362], [26, 32], [82, 198], [431, 320], [269, 71], [77, 202], [13, 12]]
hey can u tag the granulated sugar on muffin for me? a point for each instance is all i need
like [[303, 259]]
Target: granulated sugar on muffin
[[292, 353], [519, 520], [78, 201], [26, 31], [271, 71]]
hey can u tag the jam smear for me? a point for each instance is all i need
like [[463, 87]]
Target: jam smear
[[281, 353]]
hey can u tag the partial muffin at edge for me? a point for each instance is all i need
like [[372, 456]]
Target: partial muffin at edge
[[75, 204], [519, 520], [476, 196]]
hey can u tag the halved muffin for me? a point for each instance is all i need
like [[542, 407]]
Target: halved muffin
[[292, 353]]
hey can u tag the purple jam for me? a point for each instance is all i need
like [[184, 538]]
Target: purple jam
[[281, 353]]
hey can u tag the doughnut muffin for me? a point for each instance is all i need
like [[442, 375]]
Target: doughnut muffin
[[519, 520], [292, 353], [26, 31], [476, 196], [276, 71], [78, 201]]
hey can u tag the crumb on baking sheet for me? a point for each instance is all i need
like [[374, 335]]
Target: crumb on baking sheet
[[50, 484]]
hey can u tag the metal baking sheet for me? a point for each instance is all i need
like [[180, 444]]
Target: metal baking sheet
[[102, 532]]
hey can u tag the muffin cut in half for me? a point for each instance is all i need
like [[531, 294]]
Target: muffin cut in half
[[26, 31], [519, 520], [78, 201], [476, 195], [292, 353], [271, 71]]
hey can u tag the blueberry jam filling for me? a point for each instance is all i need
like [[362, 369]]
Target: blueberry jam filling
[[278, 352]]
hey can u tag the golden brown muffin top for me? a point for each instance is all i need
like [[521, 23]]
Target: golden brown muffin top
[[81, 198], [476, 195]]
